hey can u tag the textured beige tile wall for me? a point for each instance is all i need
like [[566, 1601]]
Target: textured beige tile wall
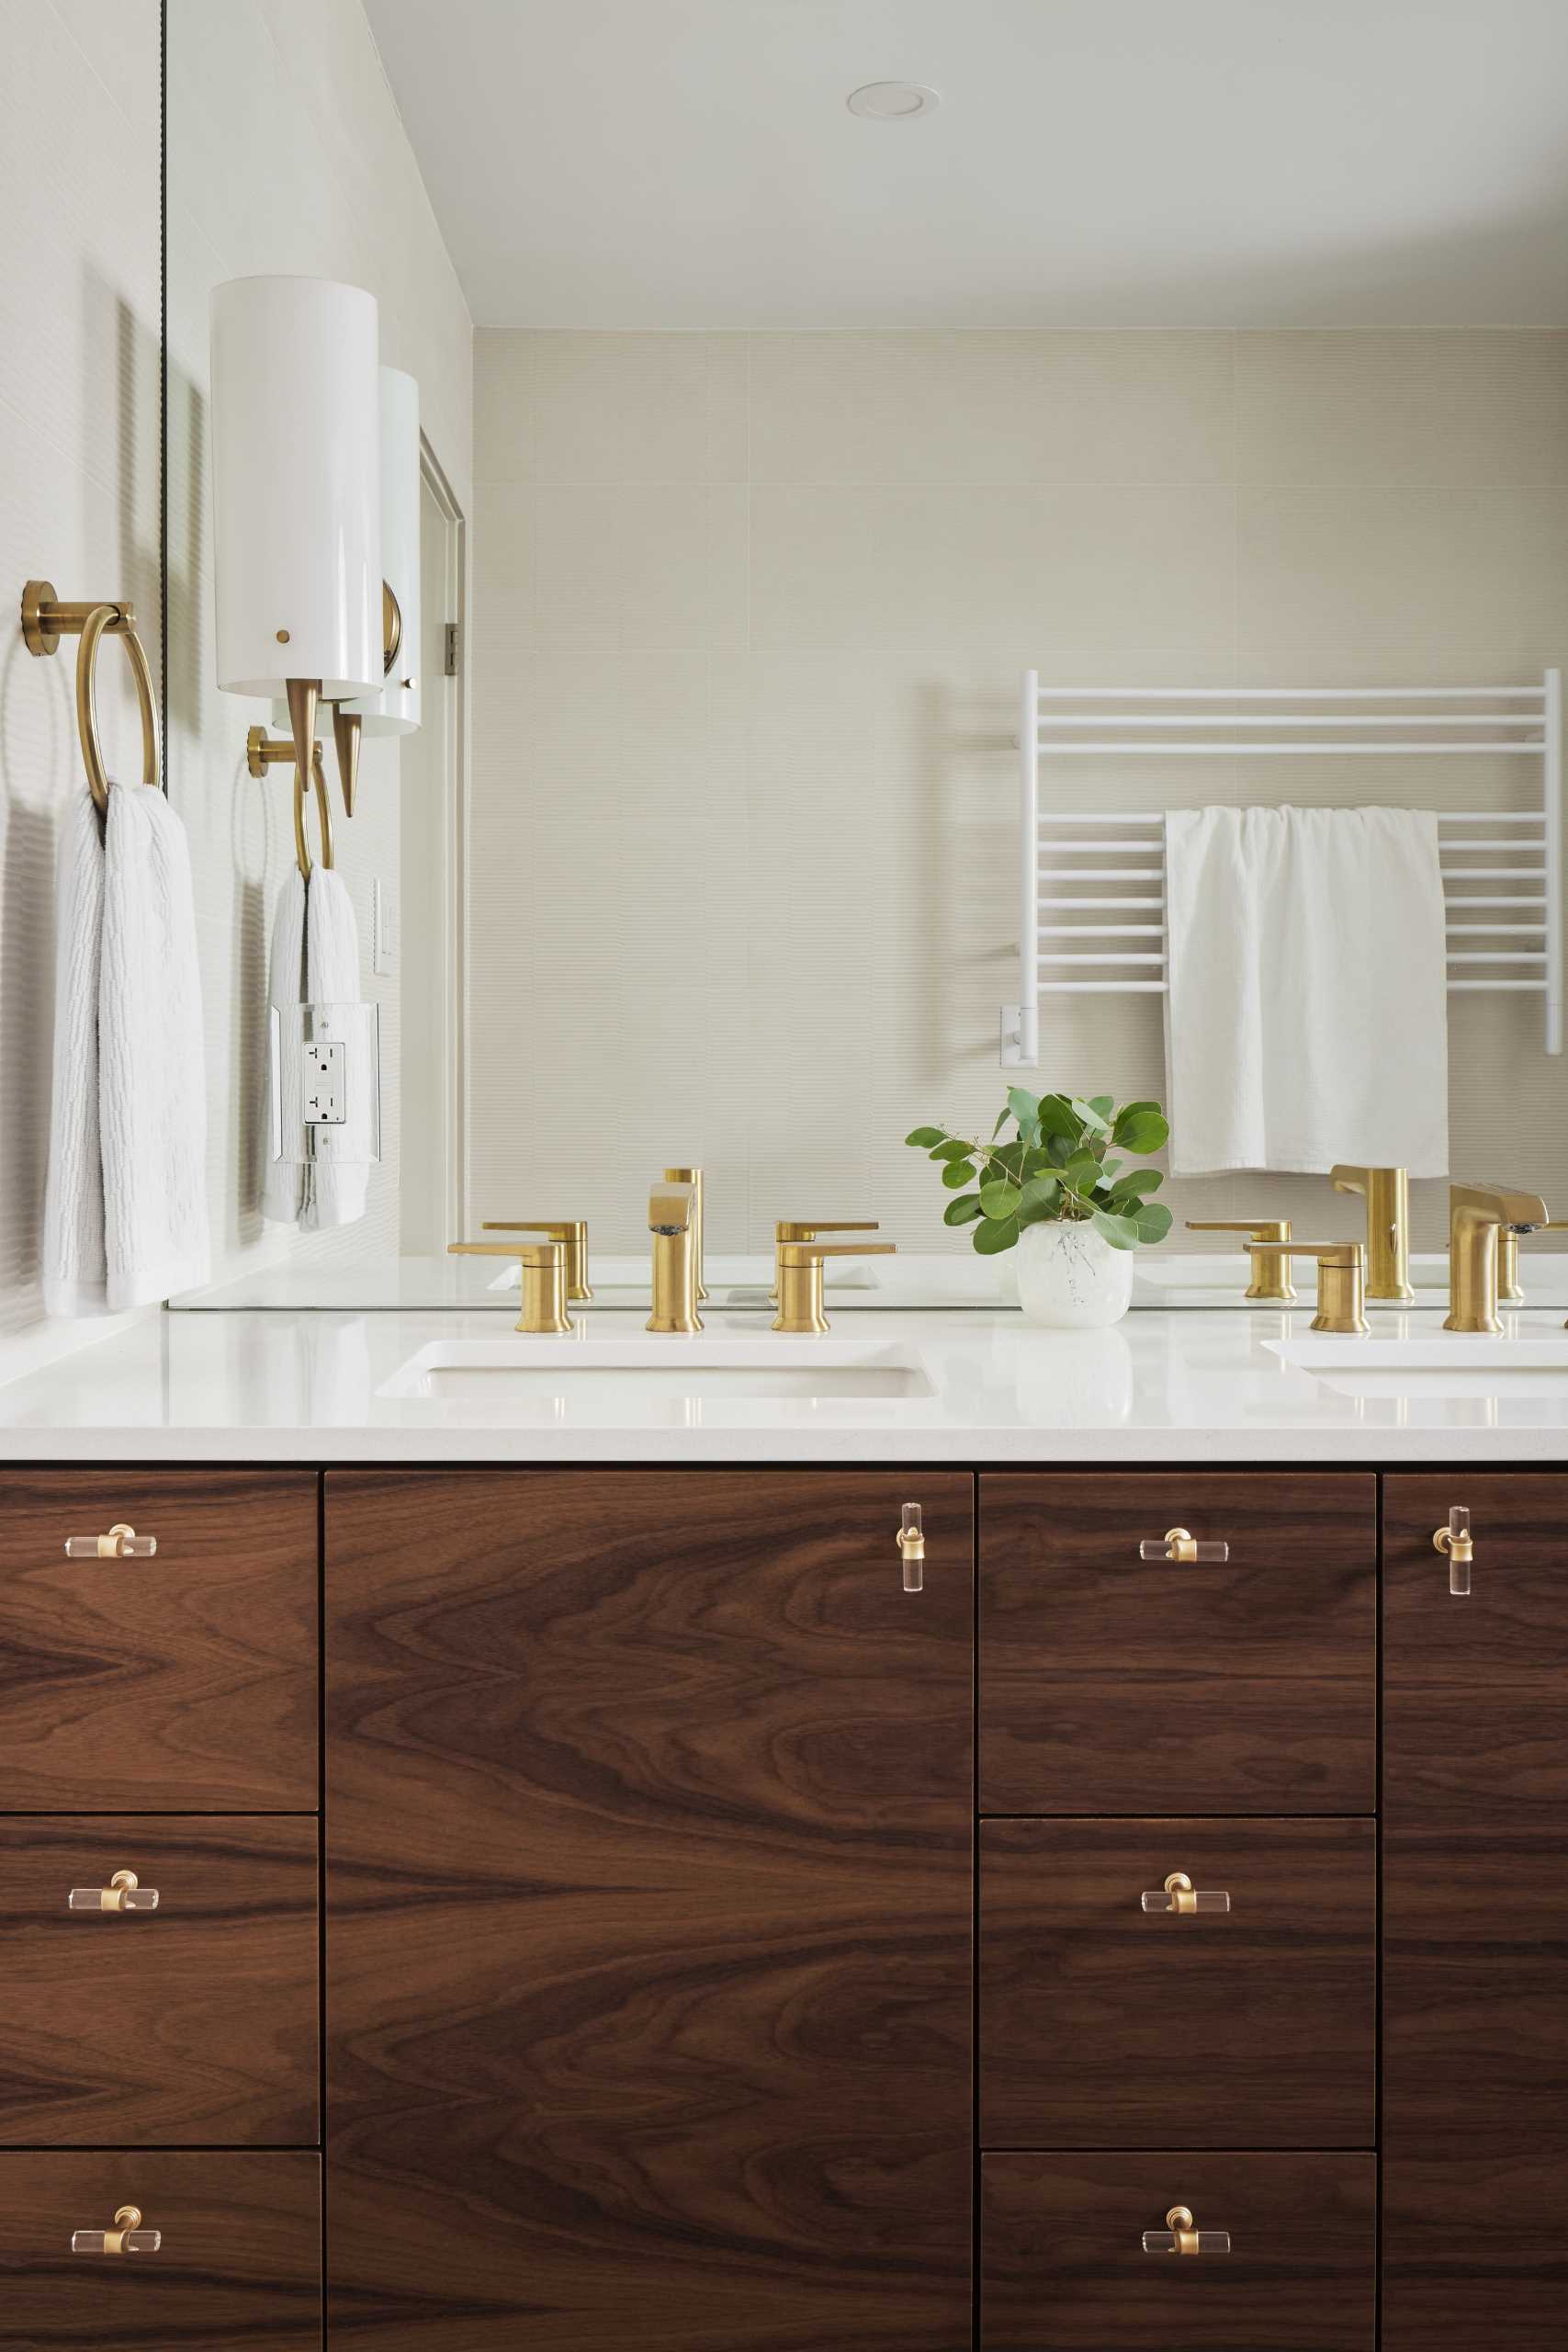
[[310, 173], [750, 615], [78, 504]]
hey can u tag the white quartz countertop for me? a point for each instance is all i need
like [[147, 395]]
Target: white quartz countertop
[[973, 1386]]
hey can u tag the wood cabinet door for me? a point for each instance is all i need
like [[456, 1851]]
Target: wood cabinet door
[[1475, 1917], [1102, 2025], [1110, 1683], [650, 1806], [194, 2022], [239, 2268], [1063, 2259], [183, 1683]]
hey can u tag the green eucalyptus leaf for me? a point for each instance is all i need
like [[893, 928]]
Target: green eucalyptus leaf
[[1104, 1103], [1141, 1127], [962, 1211], [953, 1148], [1139, 1180], [1057, 1118], [959, 1172], [993, 1235], [999, 1199], [1120, 1231], [1153, 1221], [1090, 1121], [924, 1136]]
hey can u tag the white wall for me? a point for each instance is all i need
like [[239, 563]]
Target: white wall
[[750, 613], [285, 152], [78, 506]]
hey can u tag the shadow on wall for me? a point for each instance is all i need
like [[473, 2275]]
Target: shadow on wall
[[113, 490]]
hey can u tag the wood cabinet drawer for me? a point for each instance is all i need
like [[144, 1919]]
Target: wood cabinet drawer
[[1113, 1684], [187, 1682], [1064, 2265], [194, 2022], [238, 2264], [1102, 2025], [1475, 2249]]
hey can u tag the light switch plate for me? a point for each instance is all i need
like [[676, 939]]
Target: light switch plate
[[383, 929], [326, 1066]]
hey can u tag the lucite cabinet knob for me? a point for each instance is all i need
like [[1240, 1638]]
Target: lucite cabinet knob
[[123, 1893], [1181, 2235], [911, 1542], [121, 1543], [1179, 1895], [1177, 1545], [128, 2236], [1456, 1543]]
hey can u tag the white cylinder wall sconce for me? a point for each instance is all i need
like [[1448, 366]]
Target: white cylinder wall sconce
[[296, 491]]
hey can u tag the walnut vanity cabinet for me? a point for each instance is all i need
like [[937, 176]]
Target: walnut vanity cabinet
[[650, 1810], [1475, 1910]]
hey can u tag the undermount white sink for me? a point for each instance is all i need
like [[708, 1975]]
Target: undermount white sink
[[645, 1366], [1445, 1363]]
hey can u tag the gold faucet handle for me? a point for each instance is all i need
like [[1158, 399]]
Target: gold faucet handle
[[793, 1230], [571, 1231], [542, 1267], [812, 1253], [1341, 1281], [1264, 1228], [1271, 1275]]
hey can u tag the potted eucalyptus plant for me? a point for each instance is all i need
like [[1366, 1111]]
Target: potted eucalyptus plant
[[1053, 1192]]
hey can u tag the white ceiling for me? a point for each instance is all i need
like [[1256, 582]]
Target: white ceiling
[[691, 163]]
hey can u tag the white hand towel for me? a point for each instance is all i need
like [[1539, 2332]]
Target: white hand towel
[[1306, 1020], [73, 1272], [336, 1190], [283, 1181], [151, 1074]]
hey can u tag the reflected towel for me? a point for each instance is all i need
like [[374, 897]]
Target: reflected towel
[[283, 1181], [75, 1275], [1306, 1019]]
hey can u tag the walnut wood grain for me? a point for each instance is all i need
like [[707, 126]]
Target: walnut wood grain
[[1101, 2026], [650, 1807], [1476, 1689], [1475, 1918], [1064, 2266], [186, 1682], [194, 2022], [239, 2269], [1109, 1684]]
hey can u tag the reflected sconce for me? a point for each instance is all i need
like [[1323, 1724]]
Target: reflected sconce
[[394, 708], [297, 496]]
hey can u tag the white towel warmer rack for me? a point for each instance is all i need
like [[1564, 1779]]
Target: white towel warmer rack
[[1113, 942]]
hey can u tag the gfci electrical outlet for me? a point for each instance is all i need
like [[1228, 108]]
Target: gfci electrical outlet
[[383, 929], [326, 1062]]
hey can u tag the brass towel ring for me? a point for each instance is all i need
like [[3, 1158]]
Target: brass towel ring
[[102, 618]]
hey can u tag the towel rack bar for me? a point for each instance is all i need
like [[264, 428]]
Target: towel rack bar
[[1290, 718], [1223, 750], [1286, 693]]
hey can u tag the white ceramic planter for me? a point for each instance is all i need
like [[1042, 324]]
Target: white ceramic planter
[[1069, 1277]]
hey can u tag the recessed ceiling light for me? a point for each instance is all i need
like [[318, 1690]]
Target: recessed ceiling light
[[893, 101]]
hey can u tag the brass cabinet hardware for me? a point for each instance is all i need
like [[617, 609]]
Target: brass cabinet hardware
[[1177, 1543], [1182, 2235], [911, 1542], [1387, 1194], [1179, 1898], [800, 1279], [1457, 1545], [123, 1893], [1477, 1213], [789, 1228], [121, 1543], [1271, 1264], [128, 2236], [671, 1208], [1341, 1282], [693, 1177], [543, 1263], [570, 1231]]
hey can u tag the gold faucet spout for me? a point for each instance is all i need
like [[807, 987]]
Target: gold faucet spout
[[1478, 1215], [672, 1222]]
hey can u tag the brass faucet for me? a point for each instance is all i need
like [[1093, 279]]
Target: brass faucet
[[544, 1265], [789, 1228], [693, 1177], [1270, 1254], [1341, 1282], [800, 1279], [671, 1220], [570, 1231], [1387, 1194], [1477, 1214]]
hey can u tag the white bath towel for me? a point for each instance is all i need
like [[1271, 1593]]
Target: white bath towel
[[315, 960], [125, 1214], [336, 1190], [1306, 1020]]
